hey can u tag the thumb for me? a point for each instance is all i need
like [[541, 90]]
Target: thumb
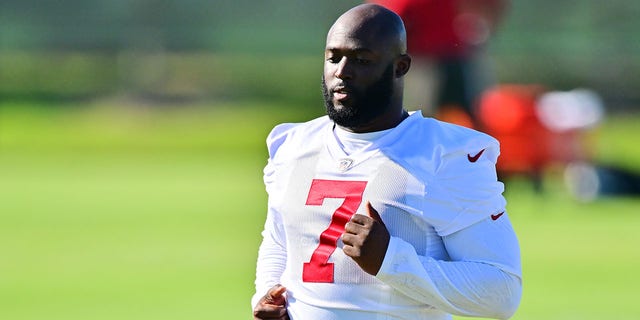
[[373, 213], [275, 293]]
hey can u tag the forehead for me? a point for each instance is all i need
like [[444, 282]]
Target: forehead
[[354, 37]]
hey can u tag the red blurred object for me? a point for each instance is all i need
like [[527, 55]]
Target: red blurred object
[[446, 28], [509, 113]]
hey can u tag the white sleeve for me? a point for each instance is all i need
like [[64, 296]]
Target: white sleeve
[[464, 192], [482, 279], [272, 258], [272, 254]]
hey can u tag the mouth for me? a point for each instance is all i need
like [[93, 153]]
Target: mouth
[[341, 93]]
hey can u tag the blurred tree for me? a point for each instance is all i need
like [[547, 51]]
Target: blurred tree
[[563, 44]]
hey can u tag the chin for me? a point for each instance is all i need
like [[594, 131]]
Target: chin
[[343, 104]]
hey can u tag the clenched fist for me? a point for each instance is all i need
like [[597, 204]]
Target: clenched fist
[[366, 239], [272, 305]]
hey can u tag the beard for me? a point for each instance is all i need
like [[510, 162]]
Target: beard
[[365, 105]]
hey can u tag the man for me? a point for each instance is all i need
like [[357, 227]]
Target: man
[[375, 213]]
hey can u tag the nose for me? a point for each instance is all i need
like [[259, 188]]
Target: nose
[[343, 69]]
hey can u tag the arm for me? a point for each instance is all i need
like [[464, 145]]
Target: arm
[[269, 300], [482, 279], [272, 258]]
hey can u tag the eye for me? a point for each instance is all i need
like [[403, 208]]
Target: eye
[[363, 61], [333, 59]]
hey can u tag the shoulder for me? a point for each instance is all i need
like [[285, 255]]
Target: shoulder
[[459, 149], [291, 134], [457, 165], [426, 144], [452, 137]]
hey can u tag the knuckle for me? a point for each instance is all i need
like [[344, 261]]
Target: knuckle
[[348, 226]]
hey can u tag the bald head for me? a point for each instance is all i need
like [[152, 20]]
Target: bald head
[[372, 24], [365, 63]]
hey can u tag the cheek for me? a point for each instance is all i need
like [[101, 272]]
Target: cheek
[[329, 72]]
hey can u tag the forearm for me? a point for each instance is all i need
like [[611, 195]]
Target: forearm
[[457, 287], [272, 259]]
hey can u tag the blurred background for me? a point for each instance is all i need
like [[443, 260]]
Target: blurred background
[[132, 143]]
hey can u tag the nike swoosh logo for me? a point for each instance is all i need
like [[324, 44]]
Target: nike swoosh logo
[[495, 217], [476, 157]]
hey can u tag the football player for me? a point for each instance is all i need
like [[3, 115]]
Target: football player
[[378, 213]]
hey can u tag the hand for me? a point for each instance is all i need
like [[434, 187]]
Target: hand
[[366, 239], [273, 305]]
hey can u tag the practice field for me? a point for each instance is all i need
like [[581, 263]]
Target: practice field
[[137, 214]]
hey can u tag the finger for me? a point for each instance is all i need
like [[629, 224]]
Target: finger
[[354, 227], [373, 213], [360, 219], [276, 291], [349, 240], [351, 251], [275, 295]]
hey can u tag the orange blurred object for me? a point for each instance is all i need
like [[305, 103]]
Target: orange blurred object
[[509, 113], [454, 114]]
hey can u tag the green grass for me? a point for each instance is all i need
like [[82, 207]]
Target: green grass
[[139, 214], [579, 260], [132, 237]]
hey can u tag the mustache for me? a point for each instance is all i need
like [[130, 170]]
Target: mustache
[[337, 87]]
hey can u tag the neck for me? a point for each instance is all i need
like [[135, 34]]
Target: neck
[[385, 121]]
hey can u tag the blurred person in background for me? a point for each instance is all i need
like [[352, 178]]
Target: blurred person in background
[[447, 38], [377, 212]]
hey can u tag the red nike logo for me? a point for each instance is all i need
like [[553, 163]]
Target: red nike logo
[[476, 157], [495, 217]]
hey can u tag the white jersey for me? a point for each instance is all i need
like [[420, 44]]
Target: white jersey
[[434, 186]]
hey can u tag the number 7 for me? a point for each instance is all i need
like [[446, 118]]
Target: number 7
[[318, 269]]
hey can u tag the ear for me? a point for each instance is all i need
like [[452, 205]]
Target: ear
[[403, 63]]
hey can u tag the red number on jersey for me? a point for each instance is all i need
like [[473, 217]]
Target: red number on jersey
[[319, 269]]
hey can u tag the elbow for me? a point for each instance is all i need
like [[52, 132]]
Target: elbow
[[507, 305]]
